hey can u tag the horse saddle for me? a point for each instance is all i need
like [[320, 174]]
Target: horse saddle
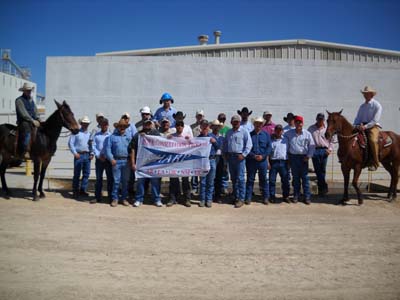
[[384, 140]]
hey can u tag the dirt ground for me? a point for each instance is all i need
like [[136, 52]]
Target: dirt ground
[[60, 248]]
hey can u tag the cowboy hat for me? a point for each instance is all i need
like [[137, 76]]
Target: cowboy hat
[[26, 87], [179, 115], [258, 120], [368, 89], [216, 123], [121, 124], [288, 116], [99, 115], [85, 120], [245, 110]]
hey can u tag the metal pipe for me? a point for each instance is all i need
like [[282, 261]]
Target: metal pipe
[[217, 36]]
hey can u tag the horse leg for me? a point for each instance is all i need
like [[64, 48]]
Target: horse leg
[[4, 186], [42, 175], [395, 179], [389, 167], [357, 172], [346, 176], [36, 172]]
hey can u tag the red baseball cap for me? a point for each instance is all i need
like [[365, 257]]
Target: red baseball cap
[[299, 118]]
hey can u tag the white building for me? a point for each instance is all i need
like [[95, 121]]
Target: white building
[[300, 76], [12, 77]]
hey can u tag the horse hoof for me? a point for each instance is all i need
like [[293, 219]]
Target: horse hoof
[[360, 202], [7, 194], [42, 195], [35, 198]]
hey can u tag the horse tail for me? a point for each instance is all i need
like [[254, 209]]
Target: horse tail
[[7, 139]]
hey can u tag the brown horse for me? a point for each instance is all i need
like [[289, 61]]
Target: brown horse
[[43, 147], [350, 155]]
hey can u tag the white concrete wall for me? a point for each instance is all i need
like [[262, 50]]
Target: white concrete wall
[[114, 85]]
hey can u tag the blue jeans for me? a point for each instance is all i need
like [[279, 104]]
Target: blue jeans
[[300, 175], [120, 174], [102, 166], [253, 167], [194, 181], [236, 170], [24, 136], [221, 177], [207, 183], [320, 160], [279, 167], [82, 164], [155, 189]]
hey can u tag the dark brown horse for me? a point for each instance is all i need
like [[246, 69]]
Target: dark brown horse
[[42, 149], [350, 155]]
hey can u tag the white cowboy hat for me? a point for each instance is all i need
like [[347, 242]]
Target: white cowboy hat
[[85, 120], [258, 120], [216, 123], [100, 114], [26, 87], [145, 110], [368, 89]]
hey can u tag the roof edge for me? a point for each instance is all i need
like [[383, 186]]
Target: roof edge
[[248, 44]]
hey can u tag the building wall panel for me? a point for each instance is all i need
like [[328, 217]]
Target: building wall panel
[[114, 85]]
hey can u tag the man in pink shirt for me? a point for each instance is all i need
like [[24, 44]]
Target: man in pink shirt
[[323, 148], [268, 126]]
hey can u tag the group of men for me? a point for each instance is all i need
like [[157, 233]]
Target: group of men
[[257, 146]]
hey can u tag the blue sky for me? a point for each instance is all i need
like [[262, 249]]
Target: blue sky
[[36, 29]]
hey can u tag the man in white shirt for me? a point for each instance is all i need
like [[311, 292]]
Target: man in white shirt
[[187, 131], [368, 116], [279, 163]]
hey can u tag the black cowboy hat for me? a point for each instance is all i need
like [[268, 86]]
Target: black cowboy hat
[[246, 110], [179, 115], [288, 116]]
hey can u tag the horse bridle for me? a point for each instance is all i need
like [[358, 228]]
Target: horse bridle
[[64, 123], [337, 132]]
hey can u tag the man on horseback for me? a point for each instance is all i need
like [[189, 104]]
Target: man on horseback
[[367, 119], [27, 118]]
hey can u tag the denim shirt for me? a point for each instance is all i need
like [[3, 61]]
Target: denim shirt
[[98, 143], [162, 113], [300, 144], [117, 145], [215, 146], [238, 142], [79, 142], [261, 144]]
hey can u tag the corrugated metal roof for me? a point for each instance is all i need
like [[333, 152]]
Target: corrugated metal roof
[[209, 47]]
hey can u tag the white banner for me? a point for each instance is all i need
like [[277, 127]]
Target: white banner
[[174, 157]]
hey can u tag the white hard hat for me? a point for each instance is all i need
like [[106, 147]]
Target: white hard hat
[[145, 110]]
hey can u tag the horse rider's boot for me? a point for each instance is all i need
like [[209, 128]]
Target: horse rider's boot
[[373, 137]]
